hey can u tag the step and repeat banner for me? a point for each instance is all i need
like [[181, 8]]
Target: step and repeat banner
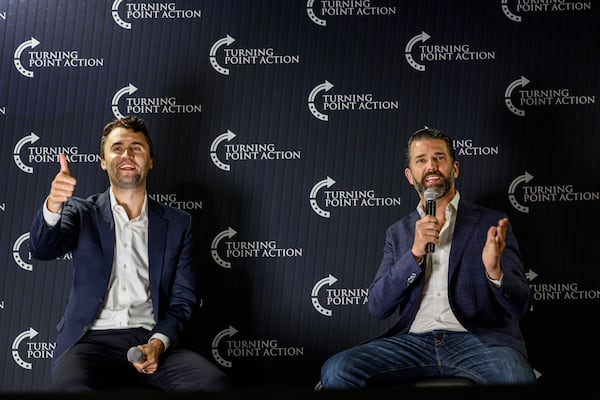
[[280, 126]]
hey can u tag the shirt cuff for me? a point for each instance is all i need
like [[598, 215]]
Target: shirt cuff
[[496, 282], [50, 218], [166, 341]]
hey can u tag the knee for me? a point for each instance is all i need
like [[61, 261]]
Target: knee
[[332, 370]]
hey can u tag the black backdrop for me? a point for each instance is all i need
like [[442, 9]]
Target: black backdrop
[[280, 126]]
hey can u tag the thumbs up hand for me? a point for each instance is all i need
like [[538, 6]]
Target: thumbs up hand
[[62, 186]]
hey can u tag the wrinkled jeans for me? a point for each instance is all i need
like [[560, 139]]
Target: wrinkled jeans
[[408, 357]]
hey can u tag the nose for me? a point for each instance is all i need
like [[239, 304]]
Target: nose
[[432, 164], [127, 153]]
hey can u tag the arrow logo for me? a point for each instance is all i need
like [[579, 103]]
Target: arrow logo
[[228, 332], [226, 41], [511, 192], [28, 334], [314, 296], [228, 233], [129, 89], [215, 145], [325, 86], [17, 56], [328, 182], [422, 37], [117, 17], [31, 138], [522, 81]]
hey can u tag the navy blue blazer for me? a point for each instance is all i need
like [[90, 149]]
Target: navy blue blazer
[[490, 313], [86, 229]]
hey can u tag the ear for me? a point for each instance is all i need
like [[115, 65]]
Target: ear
[[103, 164], [409, 176], [456, 169]]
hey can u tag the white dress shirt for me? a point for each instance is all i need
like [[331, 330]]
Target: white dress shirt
[[435, 312]]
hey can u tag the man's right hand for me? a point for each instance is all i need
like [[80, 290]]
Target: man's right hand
[[62, 186]]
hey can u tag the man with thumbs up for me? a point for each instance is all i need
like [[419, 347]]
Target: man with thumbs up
[[134, 276]]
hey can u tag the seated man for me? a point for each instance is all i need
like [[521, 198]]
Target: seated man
[[459, 303], [134, 276]]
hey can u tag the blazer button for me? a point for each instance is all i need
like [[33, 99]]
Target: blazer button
[[411, 279]]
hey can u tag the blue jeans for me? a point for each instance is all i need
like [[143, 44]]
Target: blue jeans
[[408, 357]]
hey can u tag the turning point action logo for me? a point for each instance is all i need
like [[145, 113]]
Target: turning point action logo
[[345, 198], [335, 297], [513, 8], [21, 253], [530, 194], [247, 152], [441, 52], [241, 56], [47, 154], [146, 10], [336, 8], [543, 292], [250, 249], [149, 105], [50, 59], [531, 98], [344, 102], [254, 348], [33, 350]]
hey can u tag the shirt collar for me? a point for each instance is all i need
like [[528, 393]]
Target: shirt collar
[[114, 204], [453, 204]]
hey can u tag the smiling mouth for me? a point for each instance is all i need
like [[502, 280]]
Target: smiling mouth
[[127, 167], [433, 178]]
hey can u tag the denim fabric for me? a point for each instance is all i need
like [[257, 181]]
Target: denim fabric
[[405, 358]]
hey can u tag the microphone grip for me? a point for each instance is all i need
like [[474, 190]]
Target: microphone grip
[[430, 210], [430, 247], [134, 354]]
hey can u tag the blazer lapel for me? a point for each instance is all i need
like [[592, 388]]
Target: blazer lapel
[[106, 231], [466, 221], [157, 238]]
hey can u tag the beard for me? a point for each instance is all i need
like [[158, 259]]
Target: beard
[[129, 179], [441, 188]]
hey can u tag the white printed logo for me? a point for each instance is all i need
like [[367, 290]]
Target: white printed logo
[[146, 10], [17, 252], [149, 105], [50, 59], [534, 194], [540, 97], [34, 350], [345, 198], [247, 151]]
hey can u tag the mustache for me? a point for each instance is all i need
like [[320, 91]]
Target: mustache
[[435, 173]]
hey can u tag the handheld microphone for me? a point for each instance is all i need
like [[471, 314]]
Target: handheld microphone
[[431, 196], [134, 354]]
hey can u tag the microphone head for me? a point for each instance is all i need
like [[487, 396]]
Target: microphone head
[[431, 194], [134, 355]]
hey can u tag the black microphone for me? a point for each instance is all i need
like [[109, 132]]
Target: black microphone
[[134, 354], [431, 196]]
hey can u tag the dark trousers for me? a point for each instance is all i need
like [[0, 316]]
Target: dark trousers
[[98, 362]]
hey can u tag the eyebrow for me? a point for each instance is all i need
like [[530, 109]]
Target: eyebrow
[[437, 153], [120, 143]]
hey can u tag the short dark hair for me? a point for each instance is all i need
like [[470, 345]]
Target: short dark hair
[[429, 133], [128, 122]]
